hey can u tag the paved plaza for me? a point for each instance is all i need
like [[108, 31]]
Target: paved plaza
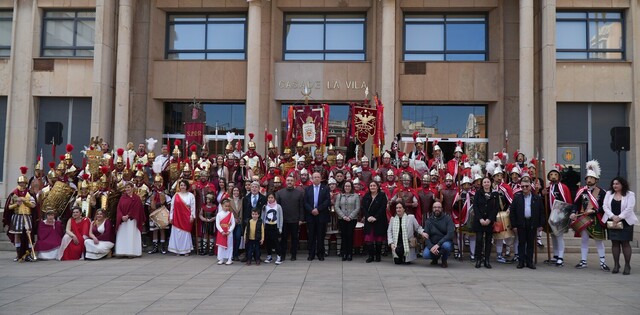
[[157, 284]]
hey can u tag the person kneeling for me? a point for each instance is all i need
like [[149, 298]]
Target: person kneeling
[[100, 241], [440, 229]]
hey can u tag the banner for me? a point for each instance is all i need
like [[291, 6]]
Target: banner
[[364, 123], [310, 122], [193, 132], [378, 137]]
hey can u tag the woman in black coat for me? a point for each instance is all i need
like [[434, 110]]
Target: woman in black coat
[[485, 210], [373, 208]]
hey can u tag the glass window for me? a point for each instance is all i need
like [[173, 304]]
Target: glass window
[[68, 34], [430, 37], [206, 36], [325, 37], [589, 35], [449, 122], [6, 25]]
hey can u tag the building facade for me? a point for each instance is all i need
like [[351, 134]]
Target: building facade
[[548, 77]]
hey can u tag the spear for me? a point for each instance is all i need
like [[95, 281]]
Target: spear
[[506, 143]]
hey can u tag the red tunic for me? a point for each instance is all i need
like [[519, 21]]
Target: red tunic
[[75, 251]]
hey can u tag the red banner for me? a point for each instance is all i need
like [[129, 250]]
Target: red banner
[[193, 132], [310, 122], [364, 123]]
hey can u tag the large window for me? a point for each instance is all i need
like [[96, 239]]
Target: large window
[[325, 37], [6, 18], [589, 35], [219, 118], [206, 36], [445, 37], [448, 123], [68, 33]]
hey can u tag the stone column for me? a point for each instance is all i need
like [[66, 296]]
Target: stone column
[[633, 157], [548, 112], [20, 135], [253, 72], [103, 70], [526, 111], [388, 68], [123, 66]]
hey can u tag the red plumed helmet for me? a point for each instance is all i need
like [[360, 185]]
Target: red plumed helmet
[[500, 155], [139, 166], [269, 137], [61, 157], [515, 154], [120, 151], [69, 147], [177, 142], [415, 135], [85, 176], [332, 140], [23, 170], [52, 164], [193, 148], [534, 161], [251, 135], [104, 169]]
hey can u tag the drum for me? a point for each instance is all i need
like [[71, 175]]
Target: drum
[[502, 227], [358, 235], [160, 217], [581, 223]]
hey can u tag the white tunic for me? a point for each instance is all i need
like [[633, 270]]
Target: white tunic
[[180, 241], [225, 253], [128, 239], [100, 250]]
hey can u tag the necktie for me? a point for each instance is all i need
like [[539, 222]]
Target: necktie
[[254, 200], [315, 196]]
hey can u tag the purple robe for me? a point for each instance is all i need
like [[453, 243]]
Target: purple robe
[[49, 236]]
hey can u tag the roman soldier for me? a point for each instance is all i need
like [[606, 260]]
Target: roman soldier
[[204, 163], [118, 172], [272, 151], [367, 172], [301, 165], [159, 198], [454, 166], [107, 154], [303, 181], [448, 194], [340, 166], [51, 180], [141, 157], [319, 165], [437, 161], [461, 208], [20, 215], [587, 215], [514, 176], [385, 167], [61, 173], [268, 179], [72, 170], [409, 197], [557, 191], [428, 193], [228, 149], [331, 153], [85, 199], [287, 163], [418, 154], [358, 188], [277, 184], [395, 153], [186, 174], [174, 165], [300, 150], [406, 169], [253, 159], [140, 187], [390, 188], [38, 181]]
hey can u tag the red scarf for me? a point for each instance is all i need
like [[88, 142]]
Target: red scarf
[[221, 240], [131, 206], [181, 214]]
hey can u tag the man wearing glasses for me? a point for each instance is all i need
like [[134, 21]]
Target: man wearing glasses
[[527, 217]]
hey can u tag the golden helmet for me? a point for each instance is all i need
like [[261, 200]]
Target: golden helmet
[[23, 177], [251, 144], [158, 178], [38, 166], [277, 179], [151, 155]]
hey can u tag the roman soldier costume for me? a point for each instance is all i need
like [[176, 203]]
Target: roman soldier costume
[[454, 166], [20, 215], [253, 159], [340, 166], [367, 173], [448, 194], [429, 193], [287, 163], [409, 197], [385, 167]]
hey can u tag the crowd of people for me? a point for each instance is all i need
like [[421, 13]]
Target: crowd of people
[[236, 204]]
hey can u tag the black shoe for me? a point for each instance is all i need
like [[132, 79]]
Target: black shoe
[[444, 264], [478, 263], [627, 270], [616, 269], [370, 259], [309, 258], [487, 264], [520, 265], [163, 248], [154, 249], [531, 266], [378, 250], [344, 258], [349, 258], [321, 258], [293, 258], [434, 262]]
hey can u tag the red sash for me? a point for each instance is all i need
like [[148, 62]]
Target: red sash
[[221, 240], [181, 214]]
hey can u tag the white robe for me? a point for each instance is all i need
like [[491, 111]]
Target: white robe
[[100, 250], [180, 241], [128, 239], [225, 253]]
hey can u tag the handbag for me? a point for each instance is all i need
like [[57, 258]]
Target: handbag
[[614, 226]]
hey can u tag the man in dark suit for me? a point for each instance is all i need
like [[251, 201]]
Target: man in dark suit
[[527, 217], [317, 200], [254, 199]]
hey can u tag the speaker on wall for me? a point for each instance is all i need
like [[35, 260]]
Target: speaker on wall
[[620, 138]]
